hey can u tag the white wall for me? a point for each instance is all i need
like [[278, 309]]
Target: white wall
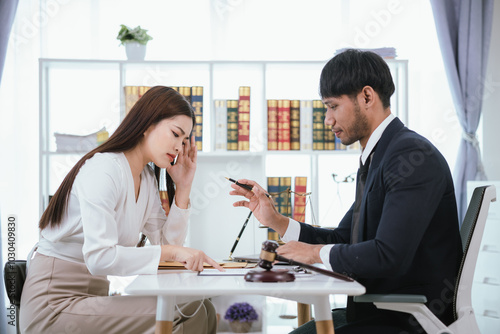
[[491, 103]]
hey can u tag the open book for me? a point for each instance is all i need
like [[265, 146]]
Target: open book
[[225, 265]]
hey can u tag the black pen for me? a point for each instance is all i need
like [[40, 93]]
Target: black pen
[[244, 186], [239, 236]]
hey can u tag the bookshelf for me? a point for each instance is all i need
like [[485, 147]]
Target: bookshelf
[[81, 96]]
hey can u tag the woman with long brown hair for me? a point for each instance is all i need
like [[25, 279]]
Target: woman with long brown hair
[[92, 224]]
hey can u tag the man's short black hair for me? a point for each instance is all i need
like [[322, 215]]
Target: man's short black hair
[[348, 72]]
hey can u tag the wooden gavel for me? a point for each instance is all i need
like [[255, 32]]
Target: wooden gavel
[[268, 255]]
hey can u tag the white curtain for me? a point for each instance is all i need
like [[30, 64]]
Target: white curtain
[[464, 32], [7, 14]]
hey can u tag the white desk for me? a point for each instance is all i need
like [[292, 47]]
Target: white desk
[[181, 287]]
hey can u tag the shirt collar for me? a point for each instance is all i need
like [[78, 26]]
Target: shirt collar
[[374, 138]]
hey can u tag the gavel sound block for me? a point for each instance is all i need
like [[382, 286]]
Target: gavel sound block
[[268, 255]]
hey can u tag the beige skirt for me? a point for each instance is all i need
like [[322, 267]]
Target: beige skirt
[[63, 297]]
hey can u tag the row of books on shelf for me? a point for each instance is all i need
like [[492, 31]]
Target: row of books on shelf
[[292, 124], [280, 189], [194, 95], [300, 125], [237, 114]]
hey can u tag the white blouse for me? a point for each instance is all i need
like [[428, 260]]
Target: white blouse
[[103, 220]]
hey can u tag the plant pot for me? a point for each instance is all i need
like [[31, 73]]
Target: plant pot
[[135, 51], [240, 327]]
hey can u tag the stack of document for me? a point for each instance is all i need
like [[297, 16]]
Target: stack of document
[[76, 143], [387, 52], [225, 265]]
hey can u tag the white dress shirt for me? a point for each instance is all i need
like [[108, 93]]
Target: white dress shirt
[[103, 220], [293, 230]]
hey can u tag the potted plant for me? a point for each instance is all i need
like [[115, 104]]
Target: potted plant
[[135, 41], [241, 316]]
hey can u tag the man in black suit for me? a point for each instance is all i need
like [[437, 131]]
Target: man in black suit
[[401, 235]]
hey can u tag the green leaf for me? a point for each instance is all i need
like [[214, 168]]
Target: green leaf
[[127, 35]]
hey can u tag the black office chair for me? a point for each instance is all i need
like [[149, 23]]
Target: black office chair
[[14, 277], [471, 233]]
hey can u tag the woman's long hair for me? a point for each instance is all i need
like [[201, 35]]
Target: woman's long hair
[[156, 104]]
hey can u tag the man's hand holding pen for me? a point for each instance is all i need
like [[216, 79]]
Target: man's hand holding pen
[[260, 204]]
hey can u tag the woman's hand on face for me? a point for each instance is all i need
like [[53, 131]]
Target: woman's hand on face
[[193, 259], [182, 172]]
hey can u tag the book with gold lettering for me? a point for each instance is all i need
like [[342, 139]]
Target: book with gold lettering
[[197, 103], [318, 125], [232, 125], [272, 125], [285, 195], [186, 92], [244, 119], [295, 125], [299, 199], [284, 125]]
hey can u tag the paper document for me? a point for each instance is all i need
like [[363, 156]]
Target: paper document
[[228, 272], [179, 265]]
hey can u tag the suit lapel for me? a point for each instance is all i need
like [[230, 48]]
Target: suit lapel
[[395, 126]]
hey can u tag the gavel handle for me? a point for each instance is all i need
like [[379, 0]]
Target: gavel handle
[[313, 268]]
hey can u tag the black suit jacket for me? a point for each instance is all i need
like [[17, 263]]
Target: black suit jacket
[[409, 239]]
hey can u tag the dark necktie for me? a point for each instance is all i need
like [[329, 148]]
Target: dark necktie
[[360, 186]]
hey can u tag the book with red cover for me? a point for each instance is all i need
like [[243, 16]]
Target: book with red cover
[[284, 125], [299, 200], [272, 125], [244, 119]]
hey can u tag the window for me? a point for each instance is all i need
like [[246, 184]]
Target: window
[[202, 29]]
